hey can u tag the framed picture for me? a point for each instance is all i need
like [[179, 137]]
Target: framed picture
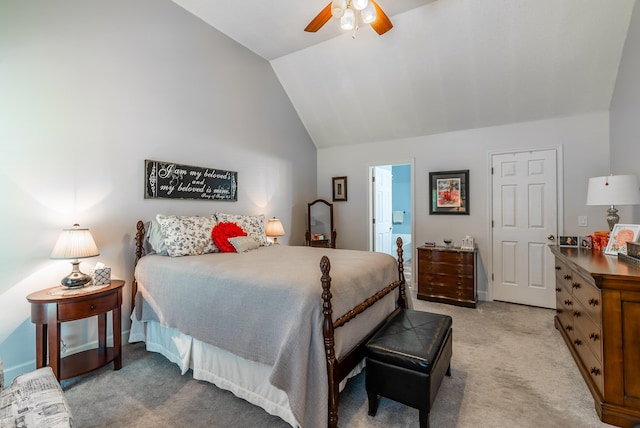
[[620, 235], [586, 242], [339, 188], [449, 192], [568, 241]]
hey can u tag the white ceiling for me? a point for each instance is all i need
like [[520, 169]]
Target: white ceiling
[[446, 65]]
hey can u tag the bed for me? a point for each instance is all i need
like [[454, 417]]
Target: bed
[[282, 327]]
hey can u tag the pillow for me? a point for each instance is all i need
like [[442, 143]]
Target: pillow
[[155, 238], [187, 235], [221, 234], [252, 224], [242, 244]]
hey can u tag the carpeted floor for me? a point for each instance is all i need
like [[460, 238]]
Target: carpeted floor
[[510, 368]]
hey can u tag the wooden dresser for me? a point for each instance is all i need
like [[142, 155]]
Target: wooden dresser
[[598, 315], [447, 275]]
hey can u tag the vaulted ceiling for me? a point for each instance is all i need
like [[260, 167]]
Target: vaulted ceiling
[[446, 65]]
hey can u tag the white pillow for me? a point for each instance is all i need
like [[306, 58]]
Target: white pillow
[[155, 238], [252, 224], [187, 235], [243, 244]]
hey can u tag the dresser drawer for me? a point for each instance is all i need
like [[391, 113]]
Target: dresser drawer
[[592, 365], [447, 269], [447, 280], [87, 308], [447, 292], [590, 297], [587, 331], [448, 257]]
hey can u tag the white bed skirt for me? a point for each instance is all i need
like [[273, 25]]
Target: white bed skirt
[[246, 379]]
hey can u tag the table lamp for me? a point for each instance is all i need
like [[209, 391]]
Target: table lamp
[[274, 229], [613, 190], [75, 243]]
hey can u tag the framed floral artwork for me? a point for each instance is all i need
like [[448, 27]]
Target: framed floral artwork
[[620, 235], [449, 192]]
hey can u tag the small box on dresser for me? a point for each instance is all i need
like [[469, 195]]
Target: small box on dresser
[[447, 275]]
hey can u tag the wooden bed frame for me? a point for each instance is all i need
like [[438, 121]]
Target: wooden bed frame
[[337, 369]]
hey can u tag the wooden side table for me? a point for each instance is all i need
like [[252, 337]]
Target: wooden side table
[[53, 306]]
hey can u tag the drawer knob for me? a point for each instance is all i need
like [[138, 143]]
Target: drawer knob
[[568, 328], [567, 277], [593, 302], [558, 289], [575, 285], [568, 302], [576, 314], [558, 268], [459, 270], [594, 336], [458, 282], [595, 371], [577, 342], [92, 307], [559, 311]]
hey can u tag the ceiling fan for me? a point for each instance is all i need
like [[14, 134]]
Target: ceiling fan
[[351, 13]]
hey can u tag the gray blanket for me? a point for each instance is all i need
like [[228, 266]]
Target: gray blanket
[[265, 306]]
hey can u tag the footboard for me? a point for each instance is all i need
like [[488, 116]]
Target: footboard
[[337, 370]]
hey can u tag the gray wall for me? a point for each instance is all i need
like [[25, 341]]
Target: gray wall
[[584, 140], [88, 90], [625, 113]]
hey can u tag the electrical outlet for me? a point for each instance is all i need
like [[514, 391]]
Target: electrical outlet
[[582, 220]]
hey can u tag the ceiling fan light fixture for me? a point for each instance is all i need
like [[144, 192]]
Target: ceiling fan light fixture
[[359, 4], [348, 20], [338, 7], [368, 13]]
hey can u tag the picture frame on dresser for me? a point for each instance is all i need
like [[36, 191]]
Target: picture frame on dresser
[[449, 192], [620, 235]]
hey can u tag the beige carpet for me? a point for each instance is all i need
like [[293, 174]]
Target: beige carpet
[[510, 368]]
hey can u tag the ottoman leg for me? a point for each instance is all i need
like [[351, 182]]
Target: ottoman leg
[[424, 419], [373, 402]]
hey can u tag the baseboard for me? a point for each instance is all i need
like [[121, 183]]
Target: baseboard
[[12, 372], [483, 296]]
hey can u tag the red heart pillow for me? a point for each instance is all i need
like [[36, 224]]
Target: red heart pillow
[[221, 234]]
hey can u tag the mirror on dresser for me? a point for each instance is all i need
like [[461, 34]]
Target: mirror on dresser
[[320, 229]]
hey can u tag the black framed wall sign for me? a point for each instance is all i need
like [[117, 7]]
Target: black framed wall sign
[[449, 192], [170, 180]]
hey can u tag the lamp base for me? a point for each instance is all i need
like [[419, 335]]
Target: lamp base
[[75, 279], [612, 217]]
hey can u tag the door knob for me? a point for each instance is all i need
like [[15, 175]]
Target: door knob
[[551, 238]]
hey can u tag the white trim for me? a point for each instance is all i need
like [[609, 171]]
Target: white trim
[[369, 214]]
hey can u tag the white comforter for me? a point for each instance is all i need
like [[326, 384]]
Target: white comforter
[[265, 306]]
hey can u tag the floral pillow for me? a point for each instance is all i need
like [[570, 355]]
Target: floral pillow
[[187, 235], [252, 224], [223, 232]]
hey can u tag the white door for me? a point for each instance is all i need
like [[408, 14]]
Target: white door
[[383, 199], [525, 211]]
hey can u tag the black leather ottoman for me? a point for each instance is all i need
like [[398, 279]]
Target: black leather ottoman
[[407, 360]]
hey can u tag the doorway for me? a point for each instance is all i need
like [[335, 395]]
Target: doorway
[[526, 193], [391, 209]]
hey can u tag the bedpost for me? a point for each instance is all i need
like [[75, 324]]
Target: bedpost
[[402, 296], [327, 332], [139, 254]]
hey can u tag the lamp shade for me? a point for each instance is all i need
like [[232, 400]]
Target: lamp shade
[[274, 227], [613, 190], [75, 243]]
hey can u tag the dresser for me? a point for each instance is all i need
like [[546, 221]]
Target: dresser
[[598, 316], [447, 275]]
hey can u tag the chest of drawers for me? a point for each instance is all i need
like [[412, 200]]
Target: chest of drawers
[[447, 275], [598, 316]]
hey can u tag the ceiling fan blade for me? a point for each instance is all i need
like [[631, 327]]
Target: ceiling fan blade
[[382, 24], [319, 20]]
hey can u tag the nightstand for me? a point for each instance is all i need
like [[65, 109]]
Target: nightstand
[[53, 306]]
